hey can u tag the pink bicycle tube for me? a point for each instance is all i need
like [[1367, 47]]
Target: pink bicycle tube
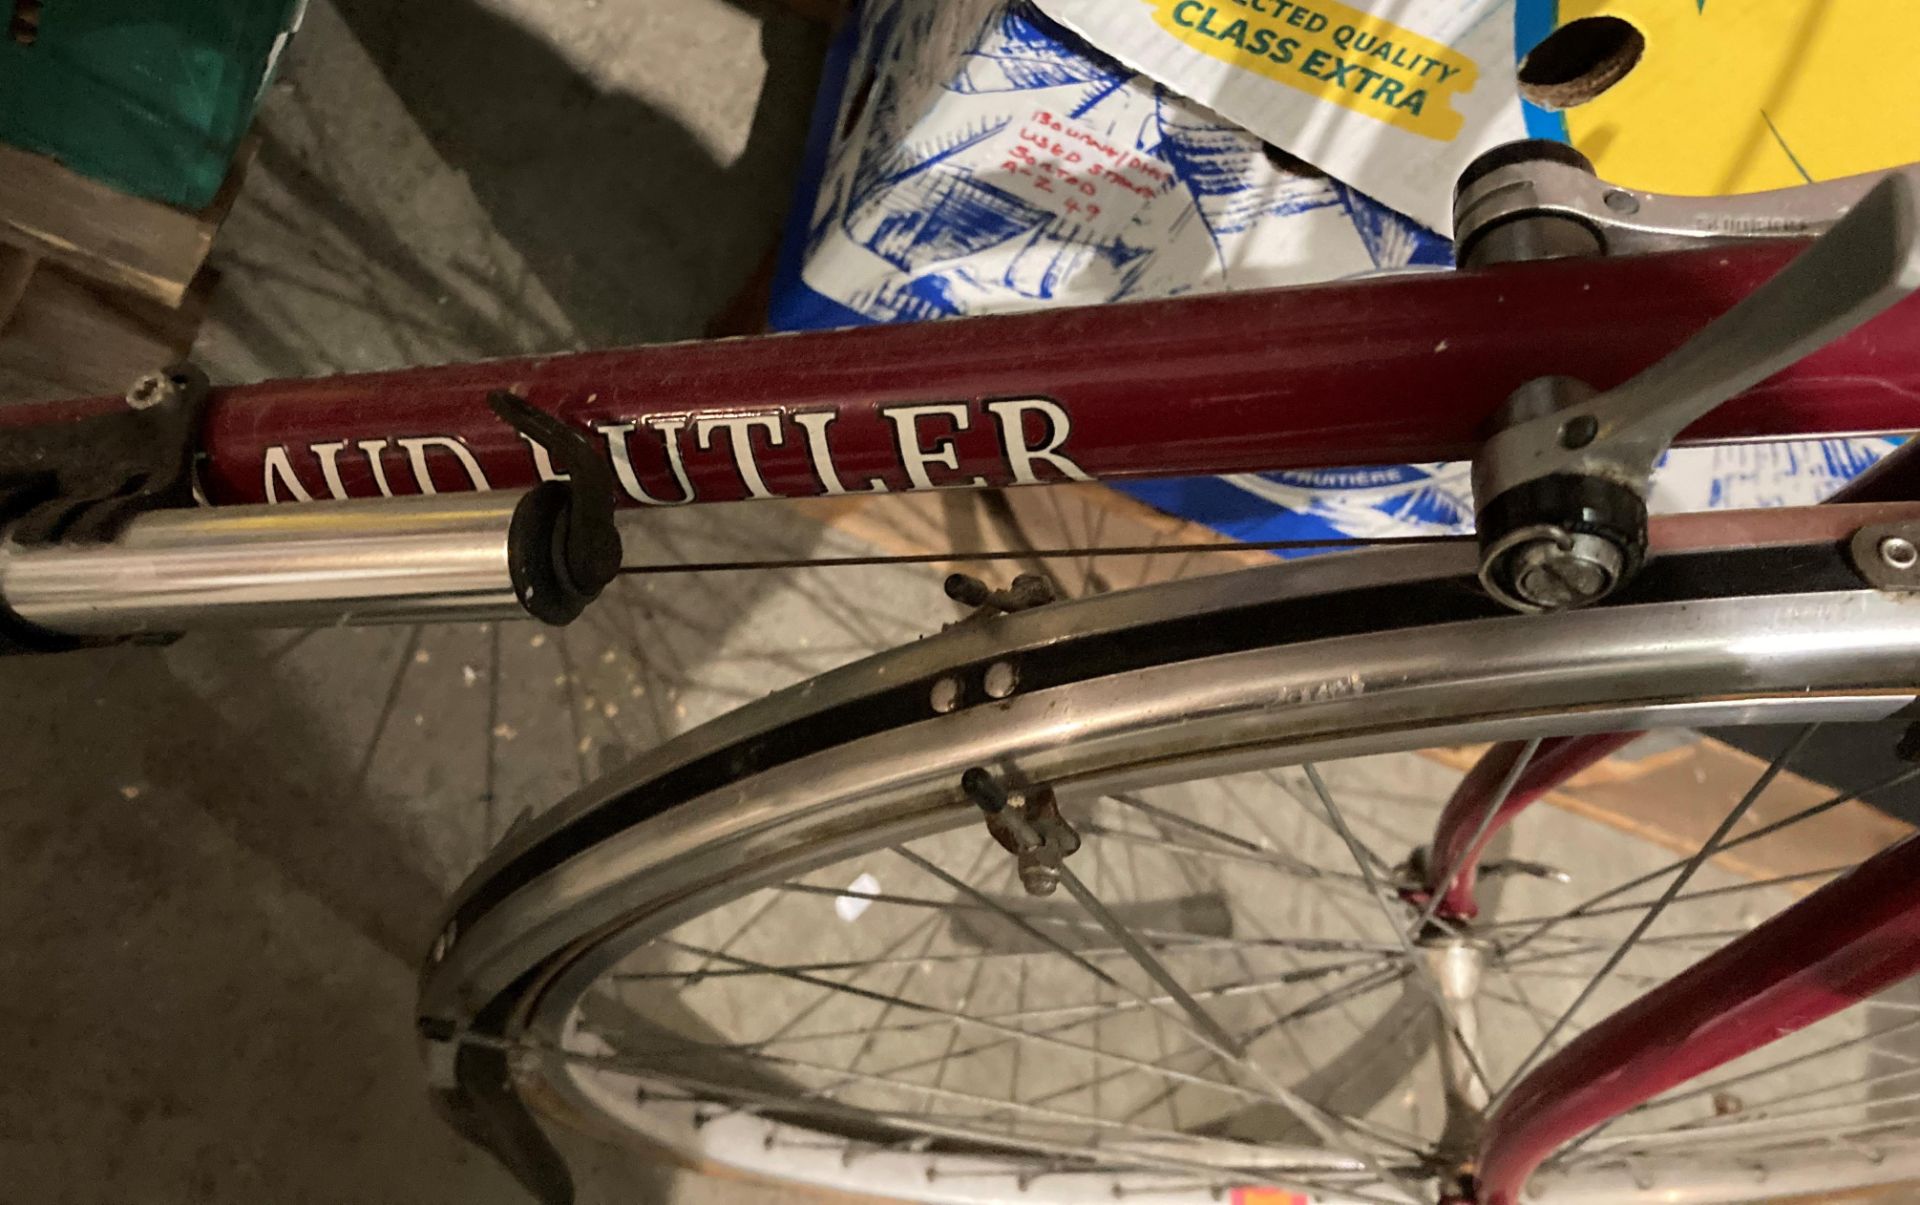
[[1838, 946]]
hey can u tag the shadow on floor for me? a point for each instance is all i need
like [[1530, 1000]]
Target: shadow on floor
[[611, 201]]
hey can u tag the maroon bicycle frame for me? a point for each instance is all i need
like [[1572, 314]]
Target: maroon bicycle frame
[[1387, 371]]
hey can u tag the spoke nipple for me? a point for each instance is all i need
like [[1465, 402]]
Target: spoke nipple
[[1002, 679]]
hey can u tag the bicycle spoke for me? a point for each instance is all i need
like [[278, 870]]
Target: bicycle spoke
[[899, 985], [620, 1062], [1710, 893], [1770, 1130], [1296, 972], [1720, 1086], [1704, 939], [1182, 849], [1775, 1068], [570, 676], [1491, 807], [1417, 965], [1759, 1110], [490, 779], [1200, 1023], [1012, 1031], [1167, 940], [923, 926], [1201, 945], [287, 647], [1159, 1020], [1246, 850], [1767, 830], [1363, 854], [1841, 1133], [1333, 900], [1321, 1003], [387, 704], [1653, 914], [1541, 1017], [1202, 1020], [1203, 1025]]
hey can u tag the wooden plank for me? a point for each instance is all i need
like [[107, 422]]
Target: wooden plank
[[71, 335], [51, 211]]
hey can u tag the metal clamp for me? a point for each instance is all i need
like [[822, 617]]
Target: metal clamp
[[1525, 198], [1027, 825], [82, 481], [564, 546], [1560, 487]]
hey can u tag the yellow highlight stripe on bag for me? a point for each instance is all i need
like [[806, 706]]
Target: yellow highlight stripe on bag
[[1332, 52]]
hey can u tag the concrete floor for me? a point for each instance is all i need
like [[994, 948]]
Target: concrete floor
[[212, 913], [222, 860]]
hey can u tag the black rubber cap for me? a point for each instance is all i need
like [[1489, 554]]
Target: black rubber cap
[[537, 559], [1526, 150], [1575, 503]]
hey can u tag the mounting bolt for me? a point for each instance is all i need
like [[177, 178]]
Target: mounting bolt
[[981, 787], [968, 590], [945, 695], [1569, 571], [1898, 553], [1002, 679], [153, 389]]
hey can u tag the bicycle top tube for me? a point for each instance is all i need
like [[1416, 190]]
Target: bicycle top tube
[[1387, 370]]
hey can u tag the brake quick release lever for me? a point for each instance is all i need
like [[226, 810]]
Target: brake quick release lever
[[1521, 199], [1560, 488]]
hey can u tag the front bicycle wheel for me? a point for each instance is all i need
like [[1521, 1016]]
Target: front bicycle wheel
[[788, 942]]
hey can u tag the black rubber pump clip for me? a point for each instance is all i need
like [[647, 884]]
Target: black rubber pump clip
[[563, 547]]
